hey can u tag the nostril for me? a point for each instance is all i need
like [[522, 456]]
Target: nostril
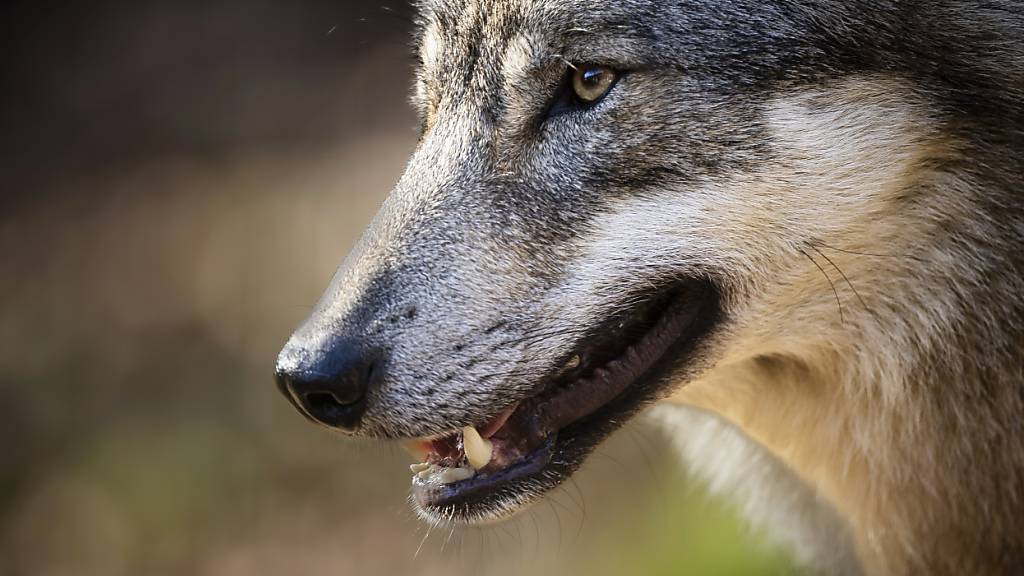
[[320, 400], [332, 388], [340, 407], [325, 407]]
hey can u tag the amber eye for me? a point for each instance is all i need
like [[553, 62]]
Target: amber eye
[[591, 83]]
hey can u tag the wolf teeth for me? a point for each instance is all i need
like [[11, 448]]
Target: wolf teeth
[[478, 449], [436, 474], [452, 475], [572, 364], [419, 449]]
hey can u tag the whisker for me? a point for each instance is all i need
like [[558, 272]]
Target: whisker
[[430, 526], [558, 519], [839, 303], [648, 460], [848, 283], [907, 256], [567, 63], [450, 534], [536, 532], [583, 506]]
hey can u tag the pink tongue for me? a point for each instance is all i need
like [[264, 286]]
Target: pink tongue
[[494, 425]]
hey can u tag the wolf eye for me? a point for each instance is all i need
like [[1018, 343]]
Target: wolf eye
[[583, 87], [591, 83]]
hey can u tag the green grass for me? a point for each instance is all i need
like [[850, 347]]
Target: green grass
[[688, 533]]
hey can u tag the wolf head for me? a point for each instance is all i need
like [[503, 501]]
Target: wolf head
[[608, 201]]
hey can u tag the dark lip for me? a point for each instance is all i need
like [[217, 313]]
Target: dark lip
[[562, 452], [468, 494]]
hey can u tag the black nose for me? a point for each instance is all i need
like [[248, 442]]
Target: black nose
[[329, 387]]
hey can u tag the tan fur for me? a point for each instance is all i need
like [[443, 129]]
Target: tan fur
[[836, 398]]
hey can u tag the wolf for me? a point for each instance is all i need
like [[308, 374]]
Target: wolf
[[792, 231]]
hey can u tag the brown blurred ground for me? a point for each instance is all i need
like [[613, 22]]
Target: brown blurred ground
[[181, 181]]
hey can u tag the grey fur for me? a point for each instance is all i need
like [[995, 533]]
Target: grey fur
[[477, 275]]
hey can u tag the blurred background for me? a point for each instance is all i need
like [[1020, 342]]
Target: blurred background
[[180, 181]]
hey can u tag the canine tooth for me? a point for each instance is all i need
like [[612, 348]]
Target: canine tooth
[[417, 468], [452, 475], [499, 421], [478, 449], [573, 363], [419, 449], [427, 472]]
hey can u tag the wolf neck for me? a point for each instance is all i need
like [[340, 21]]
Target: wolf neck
[[905, 410], [907, 416]]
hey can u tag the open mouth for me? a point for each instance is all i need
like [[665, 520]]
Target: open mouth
[[487, 471]]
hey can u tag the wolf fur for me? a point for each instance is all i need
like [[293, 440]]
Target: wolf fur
[[848, 174]]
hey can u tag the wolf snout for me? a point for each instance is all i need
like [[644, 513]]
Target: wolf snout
[[329, 386]]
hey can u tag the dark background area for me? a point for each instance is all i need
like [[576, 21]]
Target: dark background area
[[180, 181], [105, 85]]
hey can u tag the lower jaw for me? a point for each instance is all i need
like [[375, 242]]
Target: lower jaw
[[478, 499], [502, 492]]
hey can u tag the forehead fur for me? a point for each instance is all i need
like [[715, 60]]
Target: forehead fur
[[464, 35], [690, 33]]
